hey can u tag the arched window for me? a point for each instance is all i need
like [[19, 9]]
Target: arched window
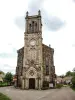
[[32, 26]]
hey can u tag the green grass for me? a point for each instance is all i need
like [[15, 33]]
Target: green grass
[[65, 85], [3, 84], [4, 97], [59, 86]]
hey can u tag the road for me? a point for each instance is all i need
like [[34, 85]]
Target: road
[[54, 94]]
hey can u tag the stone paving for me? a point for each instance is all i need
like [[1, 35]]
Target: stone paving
[[53, 94]]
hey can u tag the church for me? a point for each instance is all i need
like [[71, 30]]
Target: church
[[35, 63]]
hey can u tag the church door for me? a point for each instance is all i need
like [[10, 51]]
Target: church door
[[31, 83]]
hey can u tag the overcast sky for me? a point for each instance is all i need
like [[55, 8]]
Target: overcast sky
[[58, 19]]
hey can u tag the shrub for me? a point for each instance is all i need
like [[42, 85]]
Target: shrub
[[8, 78], [45, 85], [59, 86], [72, 87], [3, 84]]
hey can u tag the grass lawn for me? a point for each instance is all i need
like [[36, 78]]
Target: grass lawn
[[3, 84], [4, 97], [65, 85]]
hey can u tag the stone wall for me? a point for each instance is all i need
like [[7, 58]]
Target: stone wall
[[47, 53], [35, 60], [19, 68]]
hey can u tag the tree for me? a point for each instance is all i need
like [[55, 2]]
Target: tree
[[8, 77], [69, 73], [73, 81], [73, 73], [61, 76]]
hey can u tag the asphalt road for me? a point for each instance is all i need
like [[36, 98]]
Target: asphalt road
[[54, 94]]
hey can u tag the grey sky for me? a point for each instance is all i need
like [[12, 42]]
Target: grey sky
[[58, 30], [52, 23]]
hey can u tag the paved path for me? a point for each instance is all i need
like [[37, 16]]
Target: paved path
[[53, 94]]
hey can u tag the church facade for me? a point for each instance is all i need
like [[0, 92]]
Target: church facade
[[35, 62]]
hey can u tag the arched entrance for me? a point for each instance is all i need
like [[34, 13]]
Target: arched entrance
[[32, 83]]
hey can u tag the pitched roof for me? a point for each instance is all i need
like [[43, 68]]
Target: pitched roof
[[67, 78]]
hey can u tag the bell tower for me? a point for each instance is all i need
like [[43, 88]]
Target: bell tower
[[33, 23], [33, 47], [35, 62]]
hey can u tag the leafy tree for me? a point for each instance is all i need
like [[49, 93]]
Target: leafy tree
[[73, 73], [62, 76], [73, 81], [8, 77], [69, 73]]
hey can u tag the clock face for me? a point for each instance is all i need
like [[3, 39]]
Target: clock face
[[32, 42]]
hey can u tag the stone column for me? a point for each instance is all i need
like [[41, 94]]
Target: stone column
[[22, 83], [36, 83], [39, 84], [27, 83]]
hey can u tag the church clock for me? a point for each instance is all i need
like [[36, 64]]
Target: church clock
[[32, 42]]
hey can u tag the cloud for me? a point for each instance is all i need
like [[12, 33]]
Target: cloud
[[9, 52], [8, 58], [53, 23], [8, 65], [73, 0], [7, 68], [20, 22], [35, 5], [73, 45], [7, 55]]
